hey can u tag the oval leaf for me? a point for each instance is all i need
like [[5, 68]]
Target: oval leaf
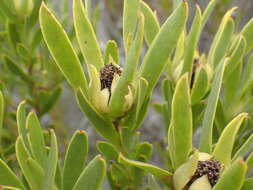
[[21, 123], [108, 150], [129, 19], [1, 118], [151, 26], [36, 139], [163, 45], [247, 33], [8, 178], [192, 42], [86, 36], [182, 127], [111, 51], [208, 119], [50, 170], [222, 39], [224, 146], [75, 159], [61, 49], [92, 176]]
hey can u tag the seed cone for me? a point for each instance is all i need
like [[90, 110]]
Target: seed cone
[[107, 74], [211, 168]]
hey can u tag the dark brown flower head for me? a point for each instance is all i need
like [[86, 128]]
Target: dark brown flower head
[[211, 168], [107, 74]]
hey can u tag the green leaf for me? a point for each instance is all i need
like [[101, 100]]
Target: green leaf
[[141, 115], [128, 139], [17, 70], [23, 52], [1, 118], [167, 89], [245, 149], [220, 117], [96, 16], [36, 39], [249, 162], [61, 49], [6, 10], [108, 150], [154, 170], [208, 120], [88, 8], [235, 58], [50, 170], [221, 40], [208, 11], [9, 188], [247, 33], [248, 184], [200, 86], [192, 42], [182, 127], [22, 156], [37, 171], [231, 88], [116, 105], [118, 175], [92, 176], [247, 77], [23, 8], [103, 127], [144, 149], [163, 46], [32, 20], [224, 146], [129, 19], [8, 178], [176, 3], [75, 159], [58, 176], [175, 66], [233, 177], [141, 96], [171, 146], [36, 139], [151, 26], [21, 123], [13, 33], [112, 51], [86, 36]]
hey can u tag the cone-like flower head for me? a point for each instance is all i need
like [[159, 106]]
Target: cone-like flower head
[[200, 172], [107, 74], [102, 86]]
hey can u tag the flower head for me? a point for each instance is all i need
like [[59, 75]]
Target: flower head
[[210, 168], [102, 86], [107, 74], [200, 172]]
